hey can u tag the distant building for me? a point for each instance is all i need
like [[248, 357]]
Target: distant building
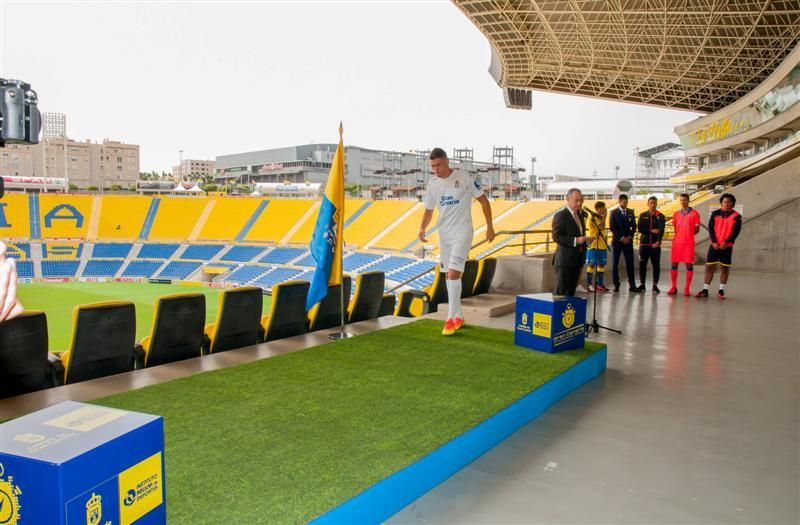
[[655, 166], [83, 164], [194, 169]]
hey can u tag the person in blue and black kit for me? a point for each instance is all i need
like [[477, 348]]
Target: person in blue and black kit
[[623, 226], [651, 231]]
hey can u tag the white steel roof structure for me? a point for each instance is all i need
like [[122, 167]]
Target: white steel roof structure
[[698, 55]]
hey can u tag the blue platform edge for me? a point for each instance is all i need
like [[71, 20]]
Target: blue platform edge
[[390, 495]]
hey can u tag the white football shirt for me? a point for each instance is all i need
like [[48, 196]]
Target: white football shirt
[[453, 196]]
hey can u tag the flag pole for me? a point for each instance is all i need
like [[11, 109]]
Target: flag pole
[[342, 334]]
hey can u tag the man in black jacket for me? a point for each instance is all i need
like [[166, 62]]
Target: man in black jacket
[[651, 231], [569, 233], [623, 226]]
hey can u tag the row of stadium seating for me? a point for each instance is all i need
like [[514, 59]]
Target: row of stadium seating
[[388, 224], [178, 331]]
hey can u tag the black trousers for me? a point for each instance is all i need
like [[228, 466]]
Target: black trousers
[[653, 255], [566, 280], [618, 249]]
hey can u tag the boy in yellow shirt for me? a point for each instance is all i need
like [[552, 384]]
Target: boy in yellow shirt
[[597, 255]]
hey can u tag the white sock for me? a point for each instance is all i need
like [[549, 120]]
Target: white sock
[[721, 286], [705, 286], [453, 298]]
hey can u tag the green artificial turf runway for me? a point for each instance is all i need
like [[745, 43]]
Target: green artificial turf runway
[[58, 300], [283, 440]]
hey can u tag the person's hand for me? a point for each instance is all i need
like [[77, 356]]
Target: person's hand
[[9, 304], [580, 240], [589, 240], [655, 230], [422, 235], [489, 234], [657, 245], [715, 245], [626, 240]]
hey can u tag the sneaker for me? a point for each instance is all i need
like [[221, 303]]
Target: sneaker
[[702, 294], [616, 287], [635, 289], [672, 291], [601, 288], [449, 327], [656, 290], [459, 323], [641, 287], [688, 293], [591, 288], [721, 294]]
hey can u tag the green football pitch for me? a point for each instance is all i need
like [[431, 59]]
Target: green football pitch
[[58, 300]]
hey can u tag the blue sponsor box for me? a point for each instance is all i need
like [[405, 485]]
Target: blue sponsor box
[[75, 463], [550, 323]]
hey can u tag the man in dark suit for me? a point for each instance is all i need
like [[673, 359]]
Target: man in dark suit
[[569, 234], [623, 226]]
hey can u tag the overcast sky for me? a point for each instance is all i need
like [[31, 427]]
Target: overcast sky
[[221, 78]]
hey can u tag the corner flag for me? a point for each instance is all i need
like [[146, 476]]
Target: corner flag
[[326, 243]]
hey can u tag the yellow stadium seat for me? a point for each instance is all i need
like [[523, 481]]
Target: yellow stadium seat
[[374, 220], [122, 216], [15, 219], [176, 217], [65, 216], [522, 217], [277, 219], [304, 232], [228, 217], [405, 232]]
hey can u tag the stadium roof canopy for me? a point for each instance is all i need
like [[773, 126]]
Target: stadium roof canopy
[[686, 54]]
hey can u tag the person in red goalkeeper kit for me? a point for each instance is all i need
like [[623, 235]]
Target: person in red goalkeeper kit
[[724, 226], [686, 223]]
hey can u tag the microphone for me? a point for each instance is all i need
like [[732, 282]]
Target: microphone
[[590, 212]]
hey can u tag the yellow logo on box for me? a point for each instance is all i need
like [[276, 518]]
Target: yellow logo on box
[[541, 324], [9, 500], [140, 489], [85, 419], [568, 317], [94, 510]]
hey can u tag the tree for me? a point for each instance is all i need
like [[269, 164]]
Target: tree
[[73, 186], [209, 187], [116, 187], [92, 188]]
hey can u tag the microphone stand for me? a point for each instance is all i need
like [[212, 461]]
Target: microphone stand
[[594, 326]]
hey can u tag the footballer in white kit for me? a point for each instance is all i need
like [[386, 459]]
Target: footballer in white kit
[[452, 191]]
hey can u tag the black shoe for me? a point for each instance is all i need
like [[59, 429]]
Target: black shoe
[[656, 290], [721, 294], [634, 289], [702, 294], [616, 287], [641, 287]]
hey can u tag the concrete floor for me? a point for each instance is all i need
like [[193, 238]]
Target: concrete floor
[[695, 421]]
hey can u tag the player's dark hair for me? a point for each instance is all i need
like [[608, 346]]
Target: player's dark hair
[[652, 199], [684, 195], [438, 153], [599, 205], [622, 196], [728, 196]]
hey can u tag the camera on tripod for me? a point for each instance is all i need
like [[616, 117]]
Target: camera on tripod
[[20, 120]]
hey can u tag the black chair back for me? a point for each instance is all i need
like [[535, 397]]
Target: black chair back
[[23, 354]]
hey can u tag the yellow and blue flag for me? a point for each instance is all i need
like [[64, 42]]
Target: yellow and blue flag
[[326, 243]]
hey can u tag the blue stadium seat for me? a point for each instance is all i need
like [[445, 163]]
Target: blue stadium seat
[[141, 268], [201, 252], [101, 268], [247, 273], [307, 261], [111, 250], [275, 276], [24, 246], [157, 251], [242, 253], [283, 255], [179, 269], [389, 264], [410, 271], [59, 268], [356, 260], [25, 269]]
